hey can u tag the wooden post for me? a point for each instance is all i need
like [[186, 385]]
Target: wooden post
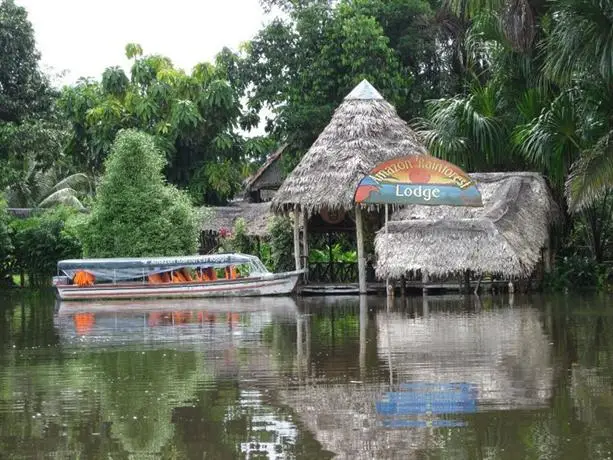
[[305, 245], [359, 232], [297, 237], [388, 284], [547, 259]]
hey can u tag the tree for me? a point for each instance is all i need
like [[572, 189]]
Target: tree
[[44, 189], [24, 89], [193, 118], [29, 127], [300, 68], [135, 212]]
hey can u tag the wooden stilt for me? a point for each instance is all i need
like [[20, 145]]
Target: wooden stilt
[[297, 237], [359, 231], [305, 245], [425, 279]]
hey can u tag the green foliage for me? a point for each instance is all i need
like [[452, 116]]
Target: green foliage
[[576, 273], [281, 245], [135, 212], [301, 67], [24, 89], [192, 117], [30, 130], [237, 240], [46, 188], [339, 254], [6, 246], [40, 242]]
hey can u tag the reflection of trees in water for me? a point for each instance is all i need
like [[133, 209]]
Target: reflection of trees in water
[[121, 400], [268, 390]]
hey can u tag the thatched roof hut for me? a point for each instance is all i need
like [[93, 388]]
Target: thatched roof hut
[[262, 185], [256, 215], [364, 131], [506, 236]]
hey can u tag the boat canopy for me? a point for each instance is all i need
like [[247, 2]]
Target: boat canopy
[[130, 268]]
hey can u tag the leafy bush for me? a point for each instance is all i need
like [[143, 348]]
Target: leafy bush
[[136, 213], [6, 246], [338, 254], [237, 240], [576, 273], [39, 242], [281, 245]]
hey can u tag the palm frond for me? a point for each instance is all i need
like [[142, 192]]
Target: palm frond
[[551, 140], [66, 196], [591, 176], [581, 40], [79, 181]]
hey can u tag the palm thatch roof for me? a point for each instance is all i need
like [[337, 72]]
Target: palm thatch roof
[[269, 174], [364, 131], [506, 236], [256, 215]]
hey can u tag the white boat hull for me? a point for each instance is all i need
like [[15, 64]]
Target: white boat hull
[[278, 284]]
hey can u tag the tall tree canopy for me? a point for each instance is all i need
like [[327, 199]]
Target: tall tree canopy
[[136, 213], [193, 117], [301, 67], [30, 131]]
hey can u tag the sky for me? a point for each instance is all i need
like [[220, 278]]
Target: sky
[[83, 37]]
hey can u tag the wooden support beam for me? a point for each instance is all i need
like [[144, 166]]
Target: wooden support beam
[[297, 237], [359, 233], [305, 245]]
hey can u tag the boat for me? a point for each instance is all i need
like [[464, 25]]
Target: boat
[[214, 275]]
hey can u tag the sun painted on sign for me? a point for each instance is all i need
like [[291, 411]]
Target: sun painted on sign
[[418, 179]]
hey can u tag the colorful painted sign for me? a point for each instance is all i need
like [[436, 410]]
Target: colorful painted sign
[[418, 179]]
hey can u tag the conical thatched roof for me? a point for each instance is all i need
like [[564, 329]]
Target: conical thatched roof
[[365, 130], [506, 236]]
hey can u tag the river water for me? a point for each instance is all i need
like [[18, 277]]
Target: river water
[[436, 378]]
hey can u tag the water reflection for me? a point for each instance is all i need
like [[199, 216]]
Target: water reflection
[[438, 377]]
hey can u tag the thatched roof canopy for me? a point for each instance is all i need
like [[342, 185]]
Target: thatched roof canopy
[[364, 131], [506, 236], [256, 215], [269, 174]]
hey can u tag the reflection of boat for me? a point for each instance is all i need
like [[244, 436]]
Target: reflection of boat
[[206, 321], [216, 275]]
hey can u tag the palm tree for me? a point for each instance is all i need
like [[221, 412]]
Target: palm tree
[[45, 189]]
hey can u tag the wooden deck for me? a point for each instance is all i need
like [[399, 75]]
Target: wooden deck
[[411, 287]]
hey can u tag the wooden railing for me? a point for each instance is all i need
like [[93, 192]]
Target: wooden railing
[[333, 272]]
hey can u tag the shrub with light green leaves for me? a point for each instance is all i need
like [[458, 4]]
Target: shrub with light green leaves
[[136, 213]]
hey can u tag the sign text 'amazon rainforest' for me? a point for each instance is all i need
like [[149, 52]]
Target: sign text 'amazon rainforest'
[[418, 179]]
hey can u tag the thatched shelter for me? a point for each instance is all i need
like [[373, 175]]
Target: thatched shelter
[[507, 236], [263, 184], [256, 215], [364, 131]]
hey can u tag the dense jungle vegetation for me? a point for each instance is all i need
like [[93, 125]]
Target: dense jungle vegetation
[[491, 85]]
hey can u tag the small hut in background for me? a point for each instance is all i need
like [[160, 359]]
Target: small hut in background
[[364, 131], [262, 185], [509, 235], [223, 218]]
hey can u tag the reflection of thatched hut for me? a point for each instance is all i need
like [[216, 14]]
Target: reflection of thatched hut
[[507, 236], [364, 131]]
